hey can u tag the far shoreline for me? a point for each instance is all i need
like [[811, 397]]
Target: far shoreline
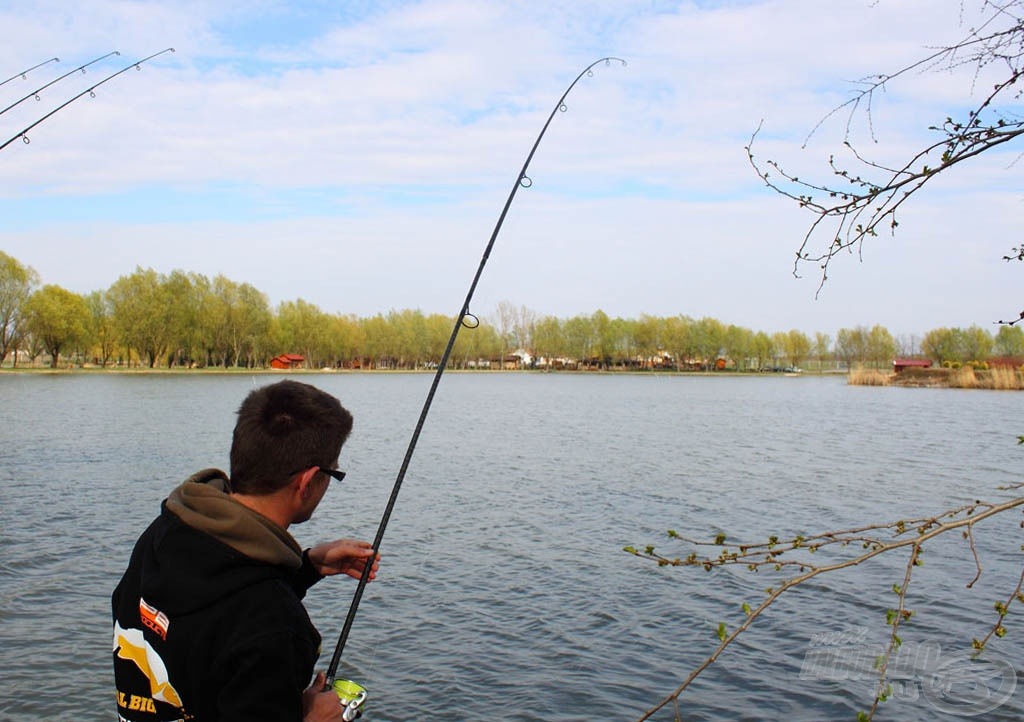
[[957, 379], [232, 371]]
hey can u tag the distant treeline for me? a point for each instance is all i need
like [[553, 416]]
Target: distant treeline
[[186, 319]]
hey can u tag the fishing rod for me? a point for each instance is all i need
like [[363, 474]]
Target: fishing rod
[[25, 73], [90, 91], [353, 694], [37, 91]]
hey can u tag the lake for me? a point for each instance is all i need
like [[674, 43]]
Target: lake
[[505, 592]]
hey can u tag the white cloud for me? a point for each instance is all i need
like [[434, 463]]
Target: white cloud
[[643, 197]]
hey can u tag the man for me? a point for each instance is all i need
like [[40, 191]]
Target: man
[[209, 624]]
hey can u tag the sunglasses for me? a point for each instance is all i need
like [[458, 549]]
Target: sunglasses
[[333, 473]]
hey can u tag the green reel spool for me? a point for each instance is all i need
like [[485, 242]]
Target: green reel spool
[[352, 695]]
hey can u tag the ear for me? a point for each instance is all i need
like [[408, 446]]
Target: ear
[[303, 479]]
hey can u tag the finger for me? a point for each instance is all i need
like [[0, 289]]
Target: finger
[[350, 544], [353, 551]]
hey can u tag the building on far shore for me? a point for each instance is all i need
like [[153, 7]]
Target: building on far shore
[[288, 361], [910, 363]]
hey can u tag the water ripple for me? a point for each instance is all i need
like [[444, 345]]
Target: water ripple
[[505, 592]]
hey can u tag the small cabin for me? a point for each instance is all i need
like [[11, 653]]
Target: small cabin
[[910, 363], [287, 361]]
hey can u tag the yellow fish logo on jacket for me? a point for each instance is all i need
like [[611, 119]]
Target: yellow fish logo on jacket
[[132, 646]]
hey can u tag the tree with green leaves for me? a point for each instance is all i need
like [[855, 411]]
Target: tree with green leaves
[[409, 329], [243, 320], [795, 347], [58, 318], [958, 345], [305, 329], [376, 351], [102, 335], [1009, 341], [603, 348], [477, 345], [881, 346], [144, 313], [647, 333], [16, 285], [187, 294], [677, 337], [438, 328], [548, 340], [822, 348], [976, 344], [763, 349], [852, 345], [580, 337], [940, 345], [739, 346], [708, 337], [346, 338]]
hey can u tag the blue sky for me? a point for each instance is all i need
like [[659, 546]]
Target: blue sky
[[357, 154]]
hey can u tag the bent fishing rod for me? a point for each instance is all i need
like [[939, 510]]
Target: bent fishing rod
[[24, 73], [40, 89], [91, 91], [465, 318]]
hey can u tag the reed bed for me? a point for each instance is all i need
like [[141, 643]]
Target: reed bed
[[1000, 378], [869, 377]]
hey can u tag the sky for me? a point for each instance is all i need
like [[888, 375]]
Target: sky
[[358, 154]]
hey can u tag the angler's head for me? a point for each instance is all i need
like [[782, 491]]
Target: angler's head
[[284, 429]]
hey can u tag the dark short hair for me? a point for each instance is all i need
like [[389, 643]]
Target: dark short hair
[[282, 429]]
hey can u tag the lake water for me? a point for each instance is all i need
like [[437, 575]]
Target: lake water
[[504, 591]]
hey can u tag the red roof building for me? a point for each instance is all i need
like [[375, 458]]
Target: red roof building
[[905, 363], [287, 361]]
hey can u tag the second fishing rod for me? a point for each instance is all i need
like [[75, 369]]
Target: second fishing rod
[[351, 693], [91, 90]]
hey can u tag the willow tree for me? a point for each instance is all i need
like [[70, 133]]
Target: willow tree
[[102, 335], [302, 327], [17, 282], [143, 312], [239, 321], [1009, 341], [548, 340], [794, 345], [58, 318]]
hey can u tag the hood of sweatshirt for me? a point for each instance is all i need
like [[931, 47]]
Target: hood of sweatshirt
[[206, 545]]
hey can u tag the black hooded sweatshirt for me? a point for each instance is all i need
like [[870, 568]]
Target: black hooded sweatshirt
[[209, 624]]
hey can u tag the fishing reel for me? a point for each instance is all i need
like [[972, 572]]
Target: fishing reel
[[352, 695]]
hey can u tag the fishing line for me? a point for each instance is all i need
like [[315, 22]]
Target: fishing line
[[24, 73], [467, 319], [89, 90], [37, 91]]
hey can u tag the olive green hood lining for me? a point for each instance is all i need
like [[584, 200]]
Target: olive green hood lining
[[204, 502]]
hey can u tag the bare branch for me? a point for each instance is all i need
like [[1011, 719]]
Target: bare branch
[[902, 534], [862, 200]]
